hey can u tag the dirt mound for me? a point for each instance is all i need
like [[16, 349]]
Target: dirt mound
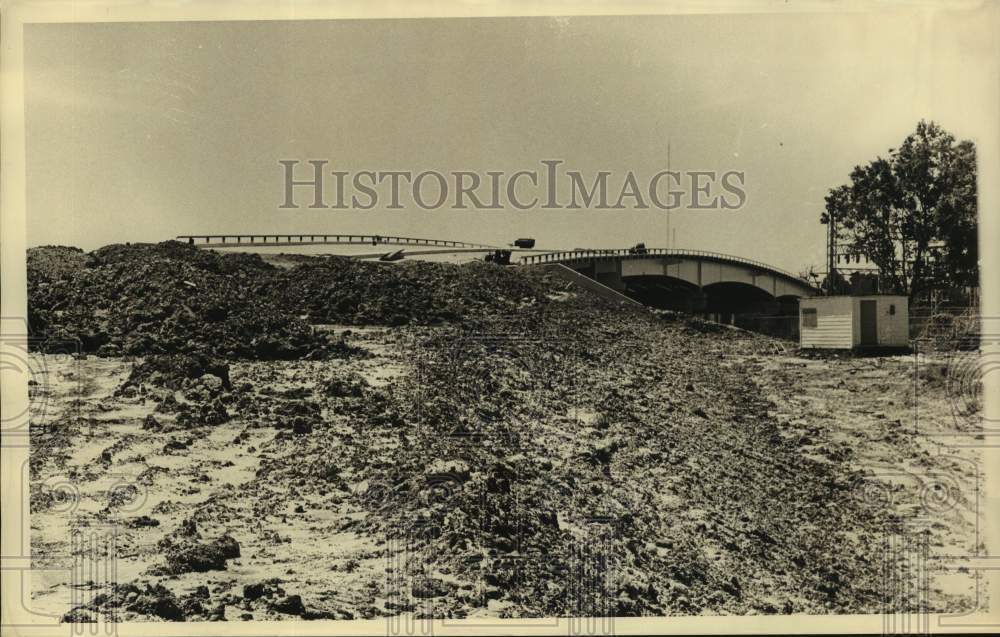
[[340, 290], [506, 469], [171, 370], [146, 600], [668, 466], [149, 299], [189, 556], [51, 263], [142, 299]]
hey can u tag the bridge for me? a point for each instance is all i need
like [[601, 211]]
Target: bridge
[[271, 240], [723, 286], [688, 280]]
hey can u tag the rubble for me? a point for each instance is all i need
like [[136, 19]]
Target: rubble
[[142, 299], [130, 600], [495, 449], [189, 556], [166, 298], [290, 605]]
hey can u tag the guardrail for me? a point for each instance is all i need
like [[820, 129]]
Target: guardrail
[[218, 240], [572, 255]]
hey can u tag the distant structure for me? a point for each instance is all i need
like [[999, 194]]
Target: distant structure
[[852, 314], [847, 271]]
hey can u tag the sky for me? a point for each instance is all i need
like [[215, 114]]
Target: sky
[[145, 131]]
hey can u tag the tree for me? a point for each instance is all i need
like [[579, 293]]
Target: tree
[[913, 213]]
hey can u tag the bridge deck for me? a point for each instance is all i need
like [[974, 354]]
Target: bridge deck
[[627, 253], [261, 240]]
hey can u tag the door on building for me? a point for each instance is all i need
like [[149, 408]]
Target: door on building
[[869, 323]]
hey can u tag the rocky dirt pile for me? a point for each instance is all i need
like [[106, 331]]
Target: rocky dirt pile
[[174, 371], [337, 290], [54, 263], [568, 461], [174, 298], [165, 298], [194, 387], [527, 463]]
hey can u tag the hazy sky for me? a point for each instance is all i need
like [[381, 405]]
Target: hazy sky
[[143, 131]]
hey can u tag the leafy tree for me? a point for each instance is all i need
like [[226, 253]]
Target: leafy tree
[[913, 213]]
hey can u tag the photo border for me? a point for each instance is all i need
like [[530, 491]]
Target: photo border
[[16, 552]]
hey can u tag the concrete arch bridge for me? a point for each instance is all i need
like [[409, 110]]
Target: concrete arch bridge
[[689, 280]]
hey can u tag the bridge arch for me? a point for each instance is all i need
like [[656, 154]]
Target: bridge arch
[[699, 268], [725, 288], [738, 297], [665, 292]]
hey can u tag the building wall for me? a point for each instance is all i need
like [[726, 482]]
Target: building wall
[[893, 329], [835, 319], [838, 321]]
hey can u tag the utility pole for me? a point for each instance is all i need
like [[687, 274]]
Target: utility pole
[[669, 242], [831, 252]]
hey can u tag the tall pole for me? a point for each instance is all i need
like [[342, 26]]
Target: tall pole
[[668, 195], [831, 253]]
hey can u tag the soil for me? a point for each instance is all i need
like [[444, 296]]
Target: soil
[[519, 450]]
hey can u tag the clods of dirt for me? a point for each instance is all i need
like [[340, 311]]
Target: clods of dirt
[[190, 556]]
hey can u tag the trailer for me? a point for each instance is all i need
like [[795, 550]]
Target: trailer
[[854, 322]]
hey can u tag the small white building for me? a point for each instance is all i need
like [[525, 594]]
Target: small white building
[[849, 322]]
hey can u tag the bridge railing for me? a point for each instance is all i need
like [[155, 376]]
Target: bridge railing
[[572, 255], [218, 240]]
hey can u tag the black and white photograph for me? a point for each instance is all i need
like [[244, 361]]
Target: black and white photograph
[[501, 318]]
